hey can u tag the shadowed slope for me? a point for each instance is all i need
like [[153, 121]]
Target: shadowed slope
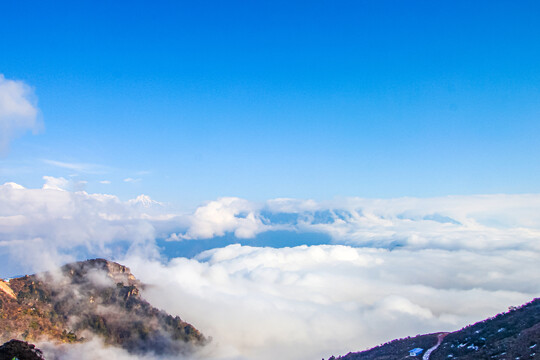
[[511, 335]]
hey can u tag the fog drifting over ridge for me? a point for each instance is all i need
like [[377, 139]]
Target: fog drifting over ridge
[[392, 268], [311, 302]]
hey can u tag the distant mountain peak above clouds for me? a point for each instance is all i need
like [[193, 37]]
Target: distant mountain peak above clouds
[[144, 201]]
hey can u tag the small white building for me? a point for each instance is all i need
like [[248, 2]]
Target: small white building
[[415, 351]]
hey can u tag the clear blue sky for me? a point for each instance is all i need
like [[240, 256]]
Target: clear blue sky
[[307, 99]]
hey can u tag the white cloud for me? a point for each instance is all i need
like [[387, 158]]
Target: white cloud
[[131, 180], [53, 183], [18, 111], [106, 182], [224, 215], [456, 222], [311, 302], [89, 350], [51, 225]]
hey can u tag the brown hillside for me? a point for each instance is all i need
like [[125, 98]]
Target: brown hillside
[[91, 298]]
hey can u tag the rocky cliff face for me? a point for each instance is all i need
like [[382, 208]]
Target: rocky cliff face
[[512, 335], [87, 299]]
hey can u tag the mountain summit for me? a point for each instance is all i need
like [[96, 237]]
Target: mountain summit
[[86, 299]]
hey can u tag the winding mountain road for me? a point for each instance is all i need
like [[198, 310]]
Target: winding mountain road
[[440, 338]]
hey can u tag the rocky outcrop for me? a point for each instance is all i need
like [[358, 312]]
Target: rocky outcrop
[[6, 289], [79, 271]]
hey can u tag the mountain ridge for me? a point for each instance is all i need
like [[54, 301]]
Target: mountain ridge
[[87, 299], [512, 335]]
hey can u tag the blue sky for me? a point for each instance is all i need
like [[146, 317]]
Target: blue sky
[[196, 100]]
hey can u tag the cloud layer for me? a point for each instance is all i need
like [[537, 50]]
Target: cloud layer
[[40, 228], [455, 222], [309, 302], [18, 111], [392, 268]]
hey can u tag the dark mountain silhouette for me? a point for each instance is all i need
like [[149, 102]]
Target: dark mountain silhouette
[[86, 299], [21, 350], [513, 335]]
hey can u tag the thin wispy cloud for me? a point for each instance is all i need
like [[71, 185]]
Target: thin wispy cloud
[[143, 172], [132, 180], [78, 167]]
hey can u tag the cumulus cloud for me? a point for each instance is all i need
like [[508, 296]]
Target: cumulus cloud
[[454, 222], [224, 215], [54, 183], [309, 302], [44, 227], [18, 111]]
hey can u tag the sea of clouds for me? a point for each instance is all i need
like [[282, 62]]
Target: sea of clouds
[[391, 268]]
